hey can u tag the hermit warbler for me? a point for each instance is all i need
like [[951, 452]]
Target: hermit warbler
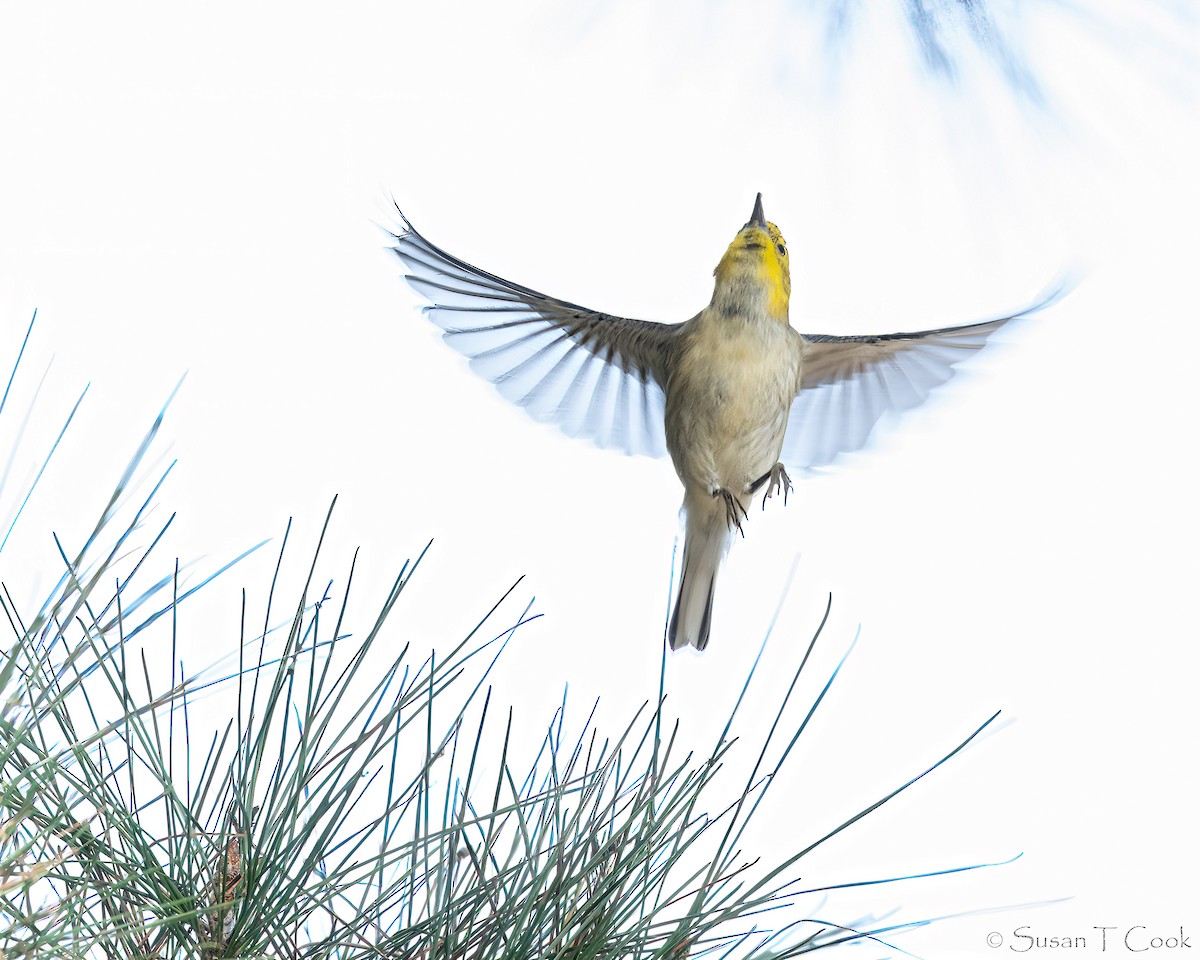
[[732, 394]]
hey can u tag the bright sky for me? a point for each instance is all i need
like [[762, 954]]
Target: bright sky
[[195, 189]]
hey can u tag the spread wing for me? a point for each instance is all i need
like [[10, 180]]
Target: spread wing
[[849, 383], [591, 374]]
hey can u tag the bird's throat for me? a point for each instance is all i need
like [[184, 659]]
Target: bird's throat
[[752, 289]]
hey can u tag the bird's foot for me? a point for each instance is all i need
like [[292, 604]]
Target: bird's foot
[[778, 480], [734, 511]]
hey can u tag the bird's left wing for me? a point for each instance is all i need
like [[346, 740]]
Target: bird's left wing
[[849, 383], [591, 374]]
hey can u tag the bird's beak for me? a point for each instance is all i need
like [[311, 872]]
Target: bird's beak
[[757, 218]]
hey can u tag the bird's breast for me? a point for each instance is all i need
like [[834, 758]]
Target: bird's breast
[[728, 400]]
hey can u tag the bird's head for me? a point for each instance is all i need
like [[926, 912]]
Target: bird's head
[[754, 271]]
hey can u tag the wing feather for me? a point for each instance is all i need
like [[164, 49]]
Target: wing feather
[[849, 383], [593, 375]]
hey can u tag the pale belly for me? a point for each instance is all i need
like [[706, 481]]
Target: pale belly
[[727, 407]]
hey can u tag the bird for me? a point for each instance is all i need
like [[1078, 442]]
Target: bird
[[732, 395]]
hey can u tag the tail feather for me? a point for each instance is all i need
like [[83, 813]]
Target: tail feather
[[706, 539]]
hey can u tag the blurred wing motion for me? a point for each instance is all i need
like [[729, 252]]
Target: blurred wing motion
[[591, 374], [849, 383]]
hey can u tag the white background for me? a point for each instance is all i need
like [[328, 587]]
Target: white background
[[194, 189]]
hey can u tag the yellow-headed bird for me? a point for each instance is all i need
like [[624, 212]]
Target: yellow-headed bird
[[732, 394]]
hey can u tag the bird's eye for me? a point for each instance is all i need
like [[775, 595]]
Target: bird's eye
[[782, 249]]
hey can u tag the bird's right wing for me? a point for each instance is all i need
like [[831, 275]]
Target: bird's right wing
[[591, 374], [849, 383]]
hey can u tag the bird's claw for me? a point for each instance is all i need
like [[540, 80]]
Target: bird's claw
[[776, 479], [733, 507]]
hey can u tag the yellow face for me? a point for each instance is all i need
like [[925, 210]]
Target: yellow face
[[759, 254]]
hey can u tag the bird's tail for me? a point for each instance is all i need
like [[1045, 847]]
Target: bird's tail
[[706, 539]]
